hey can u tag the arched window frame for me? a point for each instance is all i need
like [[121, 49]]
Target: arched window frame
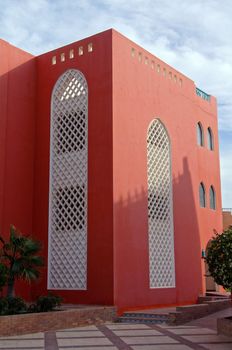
[[68, 183], [202, 197], [210, 142], [200, 134], [212, 198], [160, 207]]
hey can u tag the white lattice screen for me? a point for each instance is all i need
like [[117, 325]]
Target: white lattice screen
[[68, 183], [160, 212]]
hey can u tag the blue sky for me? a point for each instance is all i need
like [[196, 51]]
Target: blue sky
[[193, 36]]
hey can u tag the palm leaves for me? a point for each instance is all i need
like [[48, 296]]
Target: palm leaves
[[20, 256]]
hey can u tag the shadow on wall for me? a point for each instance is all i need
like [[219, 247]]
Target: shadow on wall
[[189, 272], [131, 252]]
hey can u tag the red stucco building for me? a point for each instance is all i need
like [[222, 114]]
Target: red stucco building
[[109, 156]]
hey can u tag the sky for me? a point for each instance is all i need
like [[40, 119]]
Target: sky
[[192, 36]]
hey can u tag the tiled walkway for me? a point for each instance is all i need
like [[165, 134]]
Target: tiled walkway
[[127, 336]]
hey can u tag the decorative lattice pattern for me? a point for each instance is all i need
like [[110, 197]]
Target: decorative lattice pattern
[[160, 213], [68, 183]]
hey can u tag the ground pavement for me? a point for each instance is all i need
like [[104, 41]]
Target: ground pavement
[[200, 334]]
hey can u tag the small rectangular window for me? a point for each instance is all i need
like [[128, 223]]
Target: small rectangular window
[[158, 68], [146, 60], [90, 47], [140, 56], [71, 54], [170, 75], [62, 57], [54, 60], [133, 52], [175, 78], [152, 64], [164, 72], [80, 51]]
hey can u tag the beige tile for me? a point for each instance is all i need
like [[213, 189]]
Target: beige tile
[[25, 336], [208, 338], [86, 328], [83, 342], [191, 331], [79, 334], [136, 332], [161, 347], [148, 340], [174, 327], [91, 348], [218, 346], [127, 326], [21, 343]]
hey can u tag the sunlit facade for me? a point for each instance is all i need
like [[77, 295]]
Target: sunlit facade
[[110, 158]]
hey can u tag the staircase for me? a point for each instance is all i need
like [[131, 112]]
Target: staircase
[[143, 317]]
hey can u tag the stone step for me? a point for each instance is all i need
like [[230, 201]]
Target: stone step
[[145, 315], [142, 317], [141, 320]]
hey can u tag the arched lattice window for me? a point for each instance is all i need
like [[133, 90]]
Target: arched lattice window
[[210, 139], [68, 183], [202, 195], [212, 198], [160, 211], [200, 135]]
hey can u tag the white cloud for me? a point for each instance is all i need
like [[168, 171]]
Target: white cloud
[[194, 37]]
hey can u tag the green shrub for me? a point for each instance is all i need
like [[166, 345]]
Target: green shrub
[[3, 306], [12, 306], [3, 275], [45, 303], [48, 302]]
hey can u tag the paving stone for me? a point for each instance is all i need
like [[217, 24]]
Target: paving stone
[[127, 326], [174, 327], [208, 338], [148, 340], [162, 347], [218, 346], [21, 343], [136, 332], [83, 342], [79, 334], [91, 348], [25, 336], [191, 331], [86, 328]]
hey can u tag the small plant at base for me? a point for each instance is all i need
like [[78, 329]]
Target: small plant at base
[[45, 303], [12, 306], [3, 275], [20, 257], [48, 302]]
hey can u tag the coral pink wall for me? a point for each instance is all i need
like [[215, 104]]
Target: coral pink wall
[[17, 126], [141, 94], [96, 67], [125, 95]]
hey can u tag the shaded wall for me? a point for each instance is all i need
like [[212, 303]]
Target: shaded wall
[[17, 136]]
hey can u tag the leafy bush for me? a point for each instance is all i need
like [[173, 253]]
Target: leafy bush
[[219, 258], [12, 306], [3, 306], [20, 257], [3, 275], [48, 302], [45, 303]]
